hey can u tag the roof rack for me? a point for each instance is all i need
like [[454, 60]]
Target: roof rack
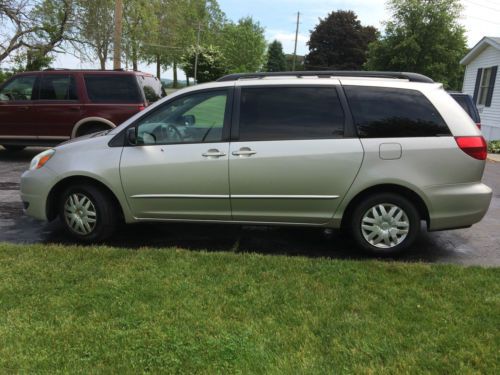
[[412, 77]]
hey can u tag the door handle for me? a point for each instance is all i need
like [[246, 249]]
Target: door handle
[[244, 151], [23, 108], [213, 153]]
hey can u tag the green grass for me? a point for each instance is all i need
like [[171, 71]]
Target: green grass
[[93, 310]]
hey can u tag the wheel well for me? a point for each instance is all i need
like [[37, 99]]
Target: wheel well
[[57, 190], [387, 188], [91, 124]]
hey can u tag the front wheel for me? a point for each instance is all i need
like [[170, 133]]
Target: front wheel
[[385, 224], [87, 213]]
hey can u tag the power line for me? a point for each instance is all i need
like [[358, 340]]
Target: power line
[[482, 19], [483, 6]]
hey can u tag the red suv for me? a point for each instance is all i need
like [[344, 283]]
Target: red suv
[[48, 107]]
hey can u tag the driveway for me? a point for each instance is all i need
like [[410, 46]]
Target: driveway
[[478, 245]]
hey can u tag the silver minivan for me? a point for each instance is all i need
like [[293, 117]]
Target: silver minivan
[[375, 153]]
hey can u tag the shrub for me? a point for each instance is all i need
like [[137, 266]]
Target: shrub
[[494, 147]]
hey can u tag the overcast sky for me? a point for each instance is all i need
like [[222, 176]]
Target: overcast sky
[[278, 17]]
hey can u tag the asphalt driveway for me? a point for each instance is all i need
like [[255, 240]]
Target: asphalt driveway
[[478, 245]]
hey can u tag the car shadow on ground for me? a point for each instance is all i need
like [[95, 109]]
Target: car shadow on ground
[[265, 240]]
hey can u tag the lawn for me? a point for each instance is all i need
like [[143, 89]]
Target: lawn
[[89, 310]]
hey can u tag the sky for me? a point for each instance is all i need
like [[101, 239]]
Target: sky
[[278, 17]]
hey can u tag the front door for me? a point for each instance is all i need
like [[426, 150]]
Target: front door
[[17, 120], [289, 160], [57, 108], [179, 167]]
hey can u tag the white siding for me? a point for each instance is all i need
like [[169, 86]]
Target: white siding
[[490, 116]]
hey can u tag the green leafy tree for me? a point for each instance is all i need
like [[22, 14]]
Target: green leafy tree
[[243, 45], [425, 37], [339, 42], [139, 19], [211, 64], [276, 61], [34, 30], [93, 29], [175, 32]]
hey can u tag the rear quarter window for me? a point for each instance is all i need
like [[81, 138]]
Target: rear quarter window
[[112, 88], [380, 112]]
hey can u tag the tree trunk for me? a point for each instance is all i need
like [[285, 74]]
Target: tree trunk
[[102, 61], [134, 58], [175, 84], [158, 66], [187, 80], [117, 38]]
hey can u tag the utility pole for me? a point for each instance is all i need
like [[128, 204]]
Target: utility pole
[[296, 36], [196, 54], [117, 36]]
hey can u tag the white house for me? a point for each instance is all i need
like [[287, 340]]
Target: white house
[[482, 82]]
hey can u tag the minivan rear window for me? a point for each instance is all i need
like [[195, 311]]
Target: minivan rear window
[[112, 88], [381, 112], [287, 113]]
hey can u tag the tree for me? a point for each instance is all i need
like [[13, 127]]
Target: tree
[[425, 37], [211, 64], [139, 20], [35, 29], [93, 29], [176, 28], [243, 45], [339, 42], [276, 61]]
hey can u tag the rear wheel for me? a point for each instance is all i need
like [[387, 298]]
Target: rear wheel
[[13, 148], [385, 224], [87, 213]]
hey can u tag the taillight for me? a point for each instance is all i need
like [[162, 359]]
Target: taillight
[[473, 146], [478, 125], [141, 107]]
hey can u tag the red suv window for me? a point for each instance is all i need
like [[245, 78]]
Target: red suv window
[[112, 88]]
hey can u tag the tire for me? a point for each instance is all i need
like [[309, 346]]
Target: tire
[[13, 148], [100, 215], [374, 227], [91, 128]]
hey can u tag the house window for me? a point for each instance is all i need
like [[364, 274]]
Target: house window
[[485, 85]]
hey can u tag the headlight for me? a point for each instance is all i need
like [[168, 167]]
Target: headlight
[[42, 158]]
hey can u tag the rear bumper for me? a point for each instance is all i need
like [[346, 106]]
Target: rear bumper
[[457, 206], [35, 188]]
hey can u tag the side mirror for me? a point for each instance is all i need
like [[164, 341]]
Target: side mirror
[[188, 120], [132, 136]]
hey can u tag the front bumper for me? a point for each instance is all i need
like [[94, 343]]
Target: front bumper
[[458, 205], [35, 188]]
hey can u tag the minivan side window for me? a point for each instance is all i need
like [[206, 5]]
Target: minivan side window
[[288, 113], [19, 89], [57, 87], [194, 118], [381, 112], [119, 88]]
